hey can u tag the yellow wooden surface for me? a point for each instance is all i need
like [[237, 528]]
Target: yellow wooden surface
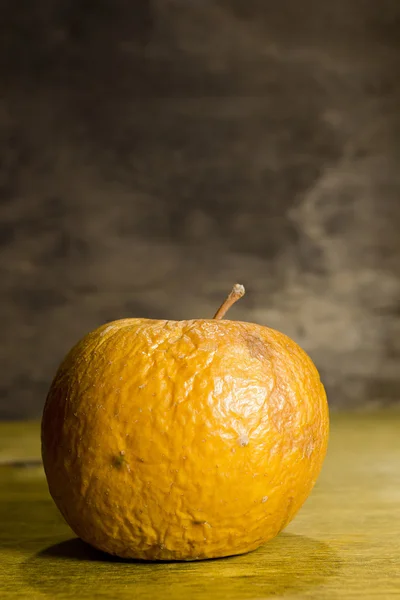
[[345, 542]]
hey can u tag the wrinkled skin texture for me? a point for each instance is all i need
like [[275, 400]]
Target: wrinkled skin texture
[[183, 440]]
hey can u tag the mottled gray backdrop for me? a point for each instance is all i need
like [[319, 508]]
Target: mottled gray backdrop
[[152, 153]]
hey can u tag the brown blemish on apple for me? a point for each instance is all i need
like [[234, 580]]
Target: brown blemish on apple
[[119, 460], [243, 440], [255, 345]]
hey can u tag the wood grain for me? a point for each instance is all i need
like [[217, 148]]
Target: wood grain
[[345, 543]]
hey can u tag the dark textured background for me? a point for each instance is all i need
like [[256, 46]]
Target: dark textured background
[[153, 153]]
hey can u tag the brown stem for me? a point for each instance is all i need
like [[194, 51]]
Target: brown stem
[[237, 292]]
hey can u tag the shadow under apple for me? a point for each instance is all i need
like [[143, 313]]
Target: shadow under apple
[[288, 564]]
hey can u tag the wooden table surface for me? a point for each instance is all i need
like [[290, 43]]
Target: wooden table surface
[[345, 542]]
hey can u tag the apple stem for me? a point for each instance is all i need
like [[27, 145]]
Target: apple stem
[[237, 292]]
